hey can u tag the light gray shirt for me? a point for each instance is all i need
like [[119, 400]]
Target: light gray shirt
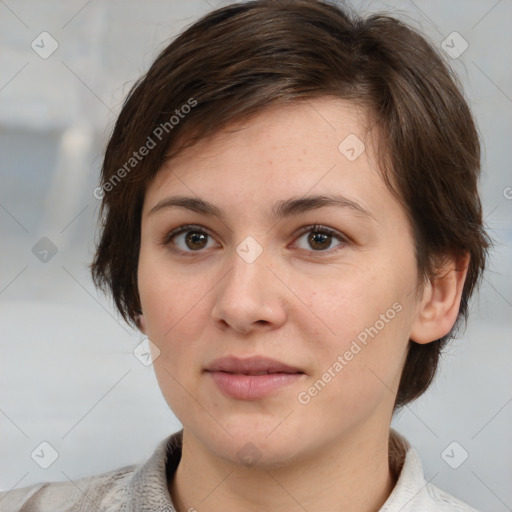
[[143, 487]]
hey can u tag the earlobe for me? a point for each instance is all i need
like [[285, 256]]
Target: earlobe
[[439, 306]]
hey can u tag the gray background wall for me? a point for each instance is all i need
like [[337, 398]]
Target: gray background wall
[[68, 375]]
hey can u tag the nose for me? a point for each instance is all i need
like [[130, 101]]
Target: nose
[[250, 297]]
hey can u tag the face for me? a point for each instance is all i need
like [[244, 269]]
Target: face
[[325, 288]]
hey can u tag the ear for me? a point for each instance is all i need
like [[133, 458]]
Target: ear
[[140, 321], [439, 305]]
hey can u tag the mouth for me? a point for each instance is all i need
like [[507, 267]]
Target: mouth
[[252, 366], [253, 378], [254, 374]]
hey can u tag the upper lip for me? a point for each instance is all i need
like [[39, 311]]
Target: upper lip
[[250, 365]]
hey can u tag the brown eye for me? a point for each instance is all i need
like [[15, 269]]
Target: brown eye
[[195, 240], [320, 238], [188, 239]]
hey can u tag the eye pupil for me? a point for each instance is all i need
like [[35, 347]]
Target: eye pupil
[[194, 237], [316, 238]]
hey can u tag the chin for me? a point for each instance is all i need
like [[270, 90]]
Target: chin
[[267, 445]]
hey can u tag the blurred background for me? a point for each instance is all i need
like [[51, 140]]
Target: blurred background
[[69, 375]]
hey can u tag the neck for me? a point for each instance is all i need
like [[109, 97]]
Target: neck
[[350, 474]]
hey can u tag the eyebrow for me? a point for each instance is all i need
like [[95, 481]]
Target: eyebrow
[[280, 210]]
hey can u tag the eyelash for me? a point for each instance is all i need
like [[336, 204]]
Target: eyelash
[[316, 228]]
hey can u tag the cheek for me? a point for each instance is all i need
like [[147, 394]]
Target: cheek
[[359, 367], [174, 309], [353, 299], [175, 318], [169, 298], [368, 315]]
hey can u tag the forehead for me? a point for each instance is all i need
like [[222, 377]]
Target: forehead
[[298, 126], [313, 146]]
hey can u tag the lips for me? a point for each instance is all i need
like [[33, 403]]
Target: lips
[[251, 366], [254, 378]]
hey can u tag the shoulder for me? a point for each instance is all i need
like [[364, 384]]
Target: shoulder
[[130, 488], [106, 492], [412, 493]]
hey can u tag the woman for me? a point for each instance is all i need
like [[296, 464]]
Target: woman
[[291, 216]]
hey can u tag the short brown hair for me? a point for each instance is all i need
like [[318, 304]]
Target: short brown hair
[[241, 59]]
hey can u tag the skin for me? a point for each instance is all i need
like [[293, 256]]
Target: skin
[[295, 303]]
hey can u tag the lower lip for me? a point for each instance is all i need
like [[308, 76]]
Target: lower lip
[[251, 387]]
